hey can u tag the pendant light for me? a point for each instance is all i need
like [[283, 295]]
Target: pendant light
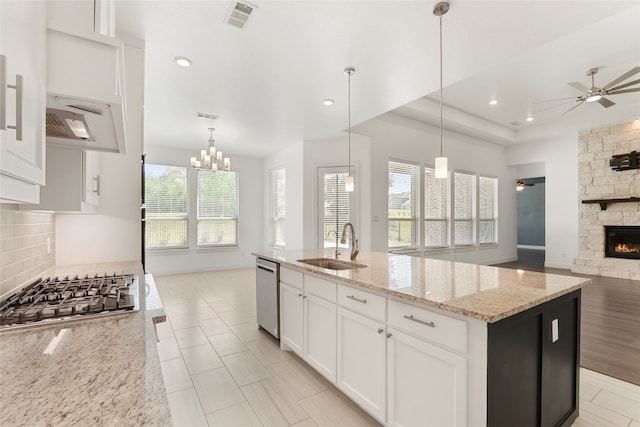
[[210, 158], [348, 183], [441, 162]]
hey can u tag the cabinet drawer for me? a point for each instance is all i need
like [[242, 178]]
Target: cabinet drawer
[[291, 277], [320, 287], [437, 328], [362, 302]]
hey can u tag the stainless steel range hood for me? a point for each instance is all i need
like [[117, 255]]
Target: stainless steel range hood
[[85, 91], [85, 124]]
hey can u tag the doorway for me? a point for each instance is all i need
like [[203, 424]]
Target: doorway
[[531, 222]]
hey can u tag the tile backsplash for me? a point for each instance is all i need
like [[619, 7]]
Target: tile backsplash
[[27, 245]]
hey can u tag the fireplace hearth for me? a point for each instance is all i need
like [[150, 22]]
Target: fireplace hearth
[[622, 241]]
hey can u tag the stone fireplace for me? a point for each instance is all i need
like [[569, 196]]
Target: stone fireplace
[[598, 181]]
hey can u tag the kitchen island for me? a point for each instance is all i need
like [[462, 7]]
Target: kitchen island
[[419, 341], [88, 371]]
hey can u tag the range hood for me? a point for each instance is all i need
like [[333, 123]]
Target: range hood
[[85, 91], [85, 124]]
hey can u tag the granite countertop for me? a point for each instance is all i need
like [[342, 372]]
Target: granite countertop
[[103, 371], [479, 291]]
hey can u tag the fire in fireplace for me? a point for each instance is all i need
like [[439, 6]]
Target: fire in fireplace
[[622, 241]]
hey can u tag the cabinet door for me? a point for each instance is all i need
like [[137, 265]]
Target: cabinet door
[[91, 174], [291, 318], [22, 46], [362, 362], [427, 385], [320, 335]]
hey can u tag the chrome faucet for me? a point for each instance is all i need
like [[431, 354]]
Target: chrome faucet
[[336, 233], [354, 241]]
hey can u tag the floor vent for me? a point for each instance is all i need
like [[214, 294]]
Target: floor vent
[[239, 14]]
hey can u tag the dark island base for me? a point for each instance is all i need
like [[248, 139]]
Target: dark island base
[[532, 380]]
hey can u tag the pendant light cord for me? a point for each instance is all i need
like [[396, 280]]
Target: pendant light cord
[[349, 115], [440, 85]]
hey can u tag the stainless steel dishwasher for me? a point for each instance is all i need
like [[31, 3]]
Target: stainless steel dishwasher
[[267, 296]]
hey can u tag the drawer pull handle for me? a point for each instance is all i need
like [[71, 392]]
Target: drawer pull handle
[[364, 301], [422, 322]]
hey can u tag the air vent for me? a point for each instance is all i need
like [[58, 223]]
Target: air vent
[[207, 116], [239, 14], [65, 124]]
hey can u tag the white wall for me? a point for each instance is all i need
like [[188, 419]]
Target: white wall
[[292, 160], [396, 137], [250, 220], [113, 233], [560, 158]]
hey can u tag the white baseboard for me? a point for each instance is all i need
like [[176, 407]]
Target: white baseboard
[[537, 248], [561, 265]]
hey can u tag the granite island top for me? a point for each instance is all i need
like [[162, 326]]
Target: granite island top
[[478, 291], [103, 370]]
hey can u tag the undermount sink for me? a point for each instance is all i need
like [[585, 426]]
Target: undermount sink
[[331, 264]]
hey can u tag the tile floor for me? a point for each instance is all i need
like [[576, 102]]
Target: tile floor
[[220, 370]]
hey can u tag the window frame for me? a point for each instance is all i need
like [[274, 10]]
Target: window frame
[[472, 208], [149, 220], [273, 203], [494, 201], [235, 219], [414, 220], [447, 210], [321, 171]]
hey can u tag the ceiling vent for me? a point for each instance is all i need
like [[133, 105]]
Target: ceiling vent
[[206, 115], [239, 14]]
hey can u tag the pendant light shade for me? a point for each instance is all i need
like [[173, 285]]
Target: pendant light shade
[[441, 167], [441, 162], [348, 183], [210, 157]]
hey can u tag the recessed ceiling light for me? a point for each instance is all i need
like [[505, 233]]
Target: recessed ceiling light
[[183, 61], [328, 101], [529, 119], [493, 102]]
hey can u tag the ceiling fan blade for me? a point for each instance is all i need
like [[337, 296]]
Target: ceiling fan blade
[[579, 86], [631, 83], [637, 89], [553, 100], [625, 76], [605, 102], [554, 106], [575, 106]]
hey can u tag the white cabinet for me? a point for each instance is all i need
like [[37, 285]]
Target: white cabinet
[[22, 99], [73, 181], [427, 384], [362, 362], [291, 318], [320, 334]]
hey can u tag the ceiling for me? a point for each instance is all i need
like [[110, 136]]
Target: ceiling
[[266, 82]]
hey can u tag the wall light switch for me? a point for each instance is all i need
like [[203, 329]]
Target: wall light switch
[[554, 330]]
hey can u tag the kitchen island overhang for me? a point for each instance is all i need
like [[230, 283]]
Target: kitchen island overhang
[[490, 300]]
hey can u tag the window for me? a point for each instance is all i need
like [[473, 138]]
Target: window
[[436, 218], [402, 215], [488, 210], [464, 208], [166, 201], [277, 206], [335, 205], [217, 208]]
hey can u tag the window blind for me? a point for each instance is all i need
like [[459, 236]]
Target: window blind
[[436, 221], [166, 201], [335, 205], [278, 207], [402, 183], [488, 209], [464, 208], [217, 208]]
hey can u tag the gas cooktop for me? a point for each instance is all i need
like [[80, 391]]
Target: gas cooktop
[[55, 299]]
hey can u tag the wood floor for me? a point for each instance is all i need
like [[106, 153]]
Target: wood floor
[[610, 324]]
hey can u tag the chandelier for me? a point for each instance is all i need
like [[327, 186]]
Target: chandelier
[[210, 158]]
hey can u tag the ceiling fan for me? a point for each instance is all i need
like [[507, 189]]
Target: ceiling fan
[[597, 94]]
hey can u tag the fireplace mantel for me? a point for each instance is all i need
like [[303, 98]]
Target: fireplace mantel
[[603, 202]]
